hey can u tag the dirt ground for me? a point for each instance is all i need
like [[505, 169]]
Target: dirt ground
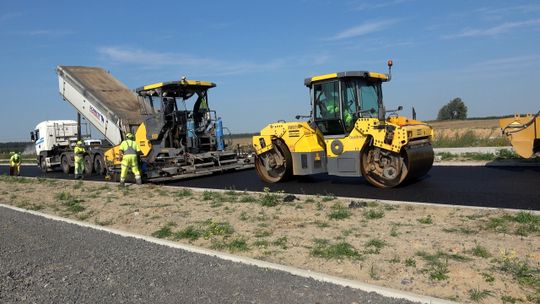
[[462, 254]]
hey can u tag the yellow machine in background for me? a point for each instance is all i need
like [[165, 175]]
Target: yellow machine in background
[[523, 132], [348, 134]]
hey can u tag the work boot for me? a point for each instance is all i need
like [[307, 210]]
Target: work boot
[[138, 181], [122, 184]]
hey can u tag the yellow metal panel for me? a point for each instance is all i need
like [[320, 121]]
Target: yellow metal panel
[[324, 77], [153, 86], [378, 75], [522, 139], [200, 83]]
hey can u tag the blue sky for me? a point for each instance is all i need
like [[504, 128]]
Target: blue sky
[[259, 52]]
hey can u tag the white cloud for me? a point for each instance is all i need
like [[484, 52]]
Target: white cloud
[[363, 29], [497, 30], [48, 32], [379, 4], [497, 12], [9, 16], [150, 59]]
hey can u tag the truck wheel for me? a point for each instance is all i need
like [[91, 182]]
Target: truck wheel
[[275, 165], [65, 165], [43, 164], [98, 165], [88, 165]]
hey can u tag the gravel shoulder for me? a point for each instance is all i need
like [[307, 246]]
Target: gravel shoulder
[[461, 254]]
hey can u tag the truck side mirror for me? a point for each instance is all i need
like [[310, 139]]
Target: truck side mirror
[[399, 108], [32, 136]]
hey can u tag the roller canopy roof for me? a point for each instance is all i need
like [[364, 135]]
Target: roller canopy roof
[[349, 74], [173, 85]]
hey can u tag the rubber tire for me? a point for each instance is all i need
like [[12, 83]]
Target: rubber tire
[[64, 163], [287, 173], [43, 165], [88, 165], [99, 165]]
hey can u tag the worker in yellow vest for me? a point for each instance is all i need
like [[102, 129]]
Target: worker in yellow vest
[[129, 150], [14, 164], [79, 152]]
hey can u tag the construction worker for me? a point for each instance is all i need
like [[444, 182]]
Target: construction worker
[[79, 152], [332, 111], [14, 164], [129, 151]]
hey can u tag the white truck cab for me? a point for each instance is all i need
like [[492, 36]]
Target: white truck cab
[[54, 141]]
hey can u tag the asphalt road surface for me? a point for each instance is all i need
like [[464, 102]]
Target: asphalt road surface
[[46, 261], [499, 187]]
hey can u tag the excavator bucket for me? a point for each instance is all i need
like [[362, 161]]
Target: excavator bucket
[[523, 132]]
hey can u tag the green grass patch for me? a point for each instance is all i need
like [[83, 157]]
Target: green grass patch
[[164, 232], [281, 242], [247, 199], [339, 212], [372, 214], [374, 246], [477, 295], [410, 262], [183, 193], [521, 270], [269, 199], [481, 252], [522, 223], [426, 220], [324, 249], [217, 228], [190, 232], [328, 198], [437, 263], [72, 203], [468, 139], [461, 230]]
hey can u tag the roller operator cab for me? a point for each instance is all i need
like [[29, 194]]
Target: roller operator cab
[[349, 133]]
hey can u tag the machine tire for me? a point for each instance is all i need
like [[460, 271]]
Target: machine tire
[[64, 163], [278, 173], [99, 166], [43, 164], [88, 165], [372, 171]]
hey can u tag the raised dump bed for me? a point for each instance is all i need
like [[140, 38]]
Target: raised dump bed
[[110, 106]]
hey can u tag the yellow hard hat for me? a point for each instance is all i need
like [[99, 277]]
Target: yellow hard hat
[[130, 136], [79, 143]]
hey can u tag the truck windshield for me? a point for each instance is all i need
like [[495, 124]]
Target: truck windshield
[[369, 99]]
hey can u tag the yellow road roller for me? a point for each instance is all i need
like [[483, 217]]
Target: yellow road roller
[[523, 132], [348, 133]]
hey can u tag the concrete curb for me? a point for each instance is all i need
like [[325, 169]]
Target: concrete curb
[[387, 292], [501, 163]]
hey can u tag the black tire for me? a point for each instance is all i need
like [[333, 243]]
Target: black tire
[[99, 165], [64, 163], [277, 173], [42, 164], [88, 165]]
